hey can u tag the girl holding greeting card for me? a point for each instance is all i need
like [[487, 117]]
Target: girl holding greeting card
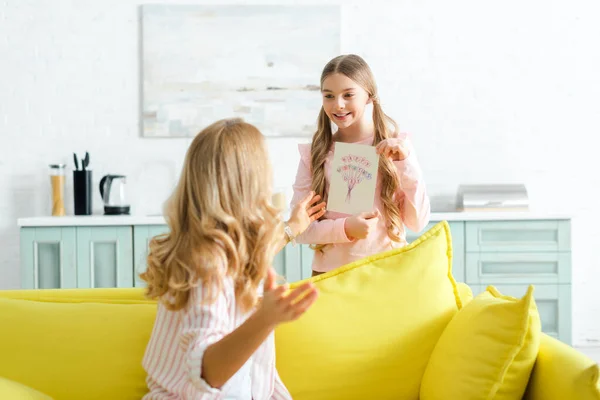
[[348, 91]]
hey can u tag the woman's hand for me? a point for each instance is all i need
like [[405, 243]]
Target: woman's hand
[[394, 148], [278, 306], [225, 357], [305, 212]]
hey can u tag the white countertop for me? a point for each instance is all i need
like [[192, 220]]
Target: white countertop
[[115, 220], [92, 220]]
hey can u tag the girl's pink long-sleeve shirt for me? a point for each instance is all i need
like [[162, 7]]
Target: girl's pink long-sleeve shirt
[[411, 198]]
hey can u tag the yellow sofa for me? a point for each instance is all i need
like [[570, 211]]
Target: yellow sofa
[[86, 344]]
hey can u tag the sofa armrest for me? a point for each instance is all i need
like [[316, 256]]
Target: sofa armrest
[[562, 373]]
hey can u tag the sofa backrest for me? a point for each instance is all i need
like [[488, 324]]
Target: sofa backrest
[[76, 344]]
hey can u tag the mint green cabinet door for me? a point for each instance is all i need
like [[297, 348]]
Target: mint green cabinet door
[[306, 259], [142, 234], [295, 263], [48, 257], [288, 263], [104, 257]]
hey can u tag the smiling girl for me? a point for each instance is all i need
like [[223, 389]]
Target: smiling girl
[[351, 103]]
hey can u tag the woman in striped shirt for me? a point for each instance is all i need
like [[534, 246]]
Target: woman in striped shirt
[[213, 335]]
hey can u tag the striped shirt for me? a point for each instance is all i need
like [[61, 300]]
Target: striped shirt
[[173, 358]]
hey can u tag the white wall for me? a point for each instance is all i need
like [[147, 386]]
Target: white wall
[[491, 91]]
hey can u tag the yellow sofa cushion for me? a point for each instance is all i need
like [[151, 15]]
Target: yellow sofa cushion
[[376, 321], [465, 293], [561, 372], [72, 347], [17, 391], [487, 351]]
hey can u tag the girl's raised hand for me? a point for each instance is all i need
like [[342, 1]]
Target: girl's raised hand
[[393, 148]]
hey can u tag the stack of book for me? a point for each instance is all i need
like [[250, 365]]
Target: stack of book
[[498, 197]]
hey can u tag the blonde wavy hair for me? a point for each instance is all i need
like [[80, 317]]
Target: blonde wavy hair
[[355, 68], [221, 220]]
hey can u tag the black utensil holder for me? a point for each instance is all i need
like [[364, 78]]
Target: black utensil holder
[[82, 192]]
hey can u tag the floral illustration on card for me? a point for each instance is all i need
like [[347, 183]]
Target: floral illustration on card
[[353, 171]]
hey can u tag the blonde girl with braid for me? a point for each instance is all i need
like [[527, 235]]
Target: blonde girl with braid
[[351, 104]]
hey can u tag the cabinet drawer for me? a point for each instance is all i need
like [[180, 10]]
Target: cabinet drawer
[[553, 303], [518, 236], [518, 268], [457, 230]]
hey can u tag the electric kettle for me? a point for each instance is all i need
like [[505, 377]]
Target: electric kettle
[[112, 191]]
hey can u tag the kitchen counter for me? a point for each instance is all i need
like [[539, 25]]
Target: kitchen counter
[[507, 249], [92, 220], [116, 220]]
